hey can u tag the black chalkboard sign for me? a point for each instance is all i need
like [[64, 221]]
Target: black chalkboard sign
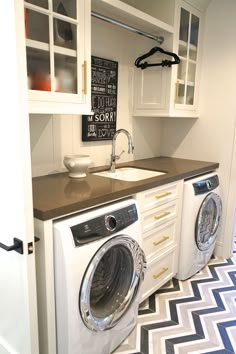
[[104, 77]]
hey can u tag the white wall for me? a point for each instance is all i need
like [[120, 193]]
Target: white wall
[[52, 137], [211, 137]]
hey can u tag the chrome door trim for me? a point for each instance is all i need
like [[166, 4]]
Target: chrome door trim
[[139, 266], [203, 246]]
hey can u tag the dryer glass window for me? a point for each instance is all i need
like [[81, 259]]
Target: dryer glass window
[[208, 221]]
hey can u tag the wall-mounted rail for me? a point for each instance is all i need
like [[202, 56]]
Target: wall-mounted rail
[[159, 39]]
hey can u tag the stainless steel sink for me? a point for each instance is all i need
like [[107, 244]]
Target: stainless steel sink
[[129, 174]]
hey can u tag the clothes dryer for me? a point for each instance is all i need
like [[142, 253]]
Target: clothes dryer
[[201, 218], [99, 268]]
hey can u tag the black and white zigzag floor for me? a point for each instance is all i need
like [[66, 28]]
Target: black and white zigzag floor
[[195, 316]]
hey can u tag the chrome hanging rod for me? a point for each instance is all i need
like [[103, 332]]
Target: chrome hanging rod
[[159, 39]]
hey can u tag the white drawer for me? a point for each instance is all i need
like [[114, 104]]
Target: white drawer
[[157, 216], [157, 196], [158, 273], [157, 240]]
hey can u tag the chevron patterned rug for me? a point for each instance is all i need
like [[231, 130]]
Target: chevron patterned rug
[[195, 316]]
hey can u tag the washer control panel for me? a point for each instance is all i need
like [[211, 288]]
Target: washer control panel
[[206, 185], [104, 225]]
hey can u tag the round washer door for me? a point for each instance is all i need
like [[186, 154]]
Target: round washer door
[[208, 221], [111, 282]]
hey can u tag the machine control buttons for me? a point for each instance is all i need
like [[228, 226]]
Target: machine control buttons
[[103, 225], [206, 185], [209, 184]]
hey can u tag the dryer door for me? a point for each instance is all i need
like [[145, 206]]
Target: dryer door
[[111, 283], [208, 221]]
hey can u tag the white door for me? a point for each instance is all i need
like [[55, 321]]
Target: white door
[[18, 308]]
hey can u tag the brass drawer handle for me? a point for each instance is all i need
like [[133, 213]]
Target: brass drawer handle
[[162, 271], [84, 67], [164, 238], [162, 195], [177, 92], [162, 215]]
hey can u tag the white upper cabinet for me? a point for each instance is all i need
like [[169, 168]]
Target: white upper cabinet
[[172, 91], [58, 52], [188, 47]]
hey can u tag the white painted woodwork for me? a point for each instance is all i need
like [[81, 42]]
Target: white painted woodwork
[[155, 88], [18, 307], [45, 102], [160, 210]]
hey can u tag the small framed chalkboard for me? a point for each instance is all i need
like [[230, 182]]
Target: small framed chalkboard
[[104, 79]]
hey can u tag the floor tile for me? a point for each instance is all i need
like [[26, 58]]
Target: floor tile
[[195, 316]]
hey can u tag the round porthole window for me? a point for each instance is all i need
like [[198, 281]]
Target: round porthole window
[[111, 283], [208, 221]]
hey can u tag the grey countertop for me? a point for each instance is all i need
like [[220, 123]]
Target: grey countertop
[[56, 195]]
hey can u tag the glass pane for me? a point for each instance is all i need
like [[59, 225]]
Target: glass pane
[[207, 224], [37, 26], [41, 3], [66, 8], [111, 282], [180, 97], [192, 52], [182, 70], [190, 95], [65, 72], [194, 30], [38, 69], [184, 25], [183, 49], [191, 72], [65, 34]]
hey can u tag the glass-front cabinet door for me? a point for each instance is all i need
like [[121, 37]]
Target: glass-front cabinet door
[[58, 54], [188, 50]]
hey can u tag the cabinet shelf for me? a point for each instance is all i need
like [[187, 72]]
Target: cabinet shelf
[[183, 44], [45, 46], [125, 13], [188, 83]]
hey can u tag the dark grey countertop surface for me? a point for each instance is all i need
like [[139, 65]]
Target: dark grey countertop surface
[[56, 195]]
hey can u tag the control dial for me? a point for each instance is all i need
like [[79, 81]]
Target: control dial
[[110, 222]]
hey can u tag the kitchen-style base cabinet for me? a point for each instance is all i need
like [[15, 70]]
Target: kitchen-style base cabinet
[[58, 53], [160, 221]]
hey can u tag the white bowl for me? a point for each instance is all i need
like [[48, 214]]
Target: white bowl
[[77, 165]]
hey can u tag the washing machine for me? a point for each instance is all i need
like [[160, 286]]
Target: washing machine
[[201, 219], [99, 267]]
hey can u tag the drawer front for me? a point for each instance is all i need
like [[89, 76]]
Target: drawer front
[[157, 216], [158, 239], [158, 196], [158, 273]]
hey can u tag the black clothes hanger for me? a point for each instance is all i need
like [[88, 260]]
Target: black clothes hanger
[[163, 63]]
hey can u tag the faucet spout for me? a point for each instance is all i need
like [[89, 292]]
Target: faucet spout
[[115, 157]]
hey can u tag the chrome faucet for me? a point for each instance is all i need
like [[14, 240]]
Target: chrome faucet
[[115, 157]]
